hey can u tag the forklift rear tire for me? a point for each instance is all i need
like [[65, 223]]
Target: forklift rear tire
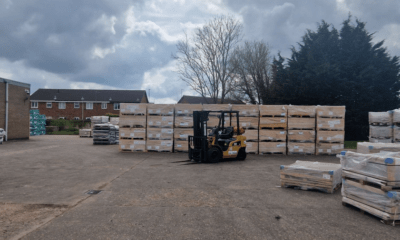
[[214, 155], [241, 154]]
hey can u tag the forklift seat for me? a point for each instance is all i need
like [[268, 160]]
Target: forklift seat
[[227, 133]]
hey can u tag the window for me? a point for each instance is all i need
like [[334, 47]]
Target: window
[[89, 105], [88, 118], [116, 106], [49, 105], [61, 118], [103, 105], [76, 104], [76, 118], [49, 117], [61, 105], [34, 104]]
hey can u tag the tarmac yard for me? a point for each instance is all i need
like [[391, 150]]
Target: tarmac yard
[[44, 184]]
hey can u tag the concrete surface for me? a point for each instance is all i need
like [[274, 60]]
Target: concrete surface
[[43, 185]]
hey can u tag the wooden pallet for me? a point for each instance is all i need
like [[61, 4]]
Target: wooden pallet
[[301, 116], [85, 136], [131, 114], [380, 124], [132, 125], [273, 153], [133, 150], [330, 129], [370, 181], [308, 187], [390, 219], [300, 153]]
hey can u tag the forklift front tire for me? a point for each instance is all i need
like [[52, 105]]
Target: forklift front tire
[[214, 155], [241, 154]]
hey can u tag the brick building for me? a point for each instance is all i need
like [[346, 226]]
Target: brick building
[[81, 104], [205, 100], [14, 116]]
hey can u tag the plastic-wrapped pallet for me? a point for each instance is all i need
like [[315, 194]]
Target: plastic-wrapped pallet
[[85, 132], [380, 131], [272, 135], [299, 111], [301, 148], [251, 135], [301, 136], [181, 146], [133, 109], [380, 118], [325, 177], [273, 123], [331, 111], [252, 147], [160, 109], [330, 136], [272, 148], [380, 140], [329, 148], [114, 120], [246, 110], [335, 124], [132, 121], [367, 147], [159, 145], [132, 133], [160, 121], [160, 134], [396, 134], [246, 122], [132, 145], [396, 116], [301, 123], [384, 166], [187, 109], [273, 110]]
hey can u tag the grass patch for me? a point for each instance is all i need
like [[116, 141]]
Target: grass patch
[[351, 144], [64, 132]]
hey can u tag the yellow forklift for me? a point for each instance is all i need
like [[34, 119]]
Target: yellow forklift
[[211, 145]]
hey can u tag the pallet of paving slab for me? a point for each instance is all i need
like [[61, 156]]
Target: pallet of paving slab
[[390, 219], [371, 181]]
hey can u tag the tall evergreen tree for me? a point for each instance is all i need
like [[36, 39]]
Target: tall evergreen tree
[[341, 68]]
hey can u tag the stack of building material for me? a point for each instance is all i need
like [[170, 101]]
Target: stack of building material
[[380, 127], [37, 123], [249, 120], [273, 129], [160, 127], [301, 124], [132, 123], [214, 117], [396, 126], [85, 132], [183, 127], [368, 148], [305, 175], [371, 182], [105, 134], [99, 120], [114, 121], [330, 129]]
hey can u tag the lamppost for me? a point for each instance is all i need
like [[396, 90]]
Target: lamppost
[[82, 109]]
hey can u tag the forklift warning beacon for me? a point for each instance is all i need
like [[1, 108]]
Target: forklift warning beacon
[[212, 144]]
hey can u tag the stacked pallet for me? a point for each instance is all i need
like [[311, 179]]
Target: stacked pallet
[[305, 175], [380, 127], [160, 127], [368, 148], [114, 121], [273, 129], [396, 126], [249, 120], [301, 125], [37, 123], [85, 132], [105, 134], [132, 123], [371, 182], [330, 129], [183, 125]]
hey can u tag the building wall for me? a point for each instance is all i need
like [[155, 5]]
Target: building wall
[[70, 112], [2, 105], [18, 111]]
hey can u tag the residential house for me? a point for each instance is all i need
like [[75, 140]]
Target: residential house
[[205, 100]]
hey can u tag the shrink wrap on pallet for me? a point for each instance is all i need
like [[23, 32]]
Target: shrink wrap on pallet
[[252, 147], [380, 140], [298, 147], [246, 122], [384, 166], [132, 121], [301, 110], [330, 124], [301, 135], [159, 145], [187, 109], [160, 121], [85, 132], [396, 116], [161, 109], [272, 147], [273, 110], [330, 136], [133, 108], [396, 133], [183, 121], [246, 110], [133, 133], [329, 148], [160, 133], [312, 175], [380, 131], [273, 122], [301, 123], [132, 145], [114, 120], [273, 135], [331, 111], [251, 135], [367, 147], [182, 134], [181, 146], [381, 117]]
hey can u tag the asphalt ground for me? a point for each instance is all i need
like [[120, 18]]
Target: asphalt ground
[[44, 184]]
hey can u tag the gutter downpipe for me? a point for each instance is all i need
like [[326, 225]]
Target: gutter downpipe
[[6, 112]]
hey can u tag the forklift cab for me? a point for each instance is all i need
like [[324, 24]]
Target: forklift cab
[[220, 142]]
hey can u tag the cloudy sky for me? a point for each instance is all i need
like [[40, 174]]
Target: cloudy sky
[[127, 44]]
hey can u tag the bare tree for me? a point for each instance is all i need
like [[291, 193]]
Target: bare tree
[[203, 60], [251, 65]]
